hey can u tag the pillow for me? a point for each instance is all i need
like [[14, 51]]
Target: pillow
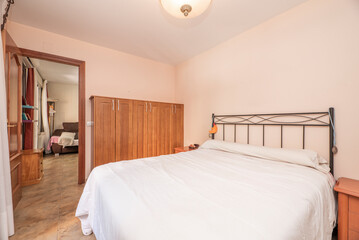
[[296, 156]]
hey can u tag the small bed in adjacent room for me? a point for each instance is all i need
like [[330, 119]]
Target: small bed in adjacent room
[[223, 190]]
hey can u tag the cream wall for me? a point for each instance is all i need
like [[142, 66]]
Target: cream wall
[[68, 105], [306, 59], [108, 72]]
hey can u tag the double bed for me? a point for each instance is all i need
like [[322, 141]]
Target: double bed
[[222, 190]]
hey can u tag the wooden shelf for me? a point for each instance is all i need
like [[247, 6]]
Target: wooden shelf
[[12, 124], [29, 107], [32, 151], [29, 121], [52, 100]]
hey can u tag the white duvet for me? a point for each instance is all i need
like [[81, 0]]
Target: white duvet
[[210, 193]]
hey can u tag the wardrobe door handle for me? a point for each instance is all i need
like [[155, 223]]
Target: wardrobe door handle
[[113, 105], [175, 109], [150, 107], [118, 105], [146, 106]]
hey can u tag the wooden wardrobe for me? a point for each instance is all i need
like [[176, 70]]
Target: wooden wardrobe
[[126, 129]]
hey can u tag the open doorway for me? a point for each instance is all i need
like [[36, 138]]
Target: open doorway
[[53, 198], [50, 200], [55, 127], [81, 97]]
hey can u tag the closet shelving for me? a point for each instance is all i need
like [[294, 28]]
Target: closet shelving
[[25, 118], [29, 107]]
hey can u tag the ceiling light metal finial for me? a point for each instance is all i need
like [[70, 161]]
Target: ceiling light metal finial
[[186, 9]]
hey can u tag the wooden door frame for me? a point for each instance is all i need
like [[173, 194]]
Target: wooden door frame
[[82, 108]]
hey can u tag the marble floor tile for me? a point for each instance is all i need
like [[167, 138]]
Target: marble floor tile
[[47, 210]]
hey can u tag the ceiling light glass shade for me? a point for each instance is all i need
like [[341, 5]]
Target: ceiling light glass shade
[[185, 8]]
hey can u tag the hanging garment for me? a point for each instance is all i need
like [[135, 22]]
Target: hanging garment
[[45, 115]]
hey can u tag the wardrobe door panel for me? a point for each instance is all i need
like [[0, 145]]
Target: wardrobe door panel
[[179, 111], [153, 125], [164, 129], [139, 129], [104, 131], [177, 126], [159, 129], [124, 146]]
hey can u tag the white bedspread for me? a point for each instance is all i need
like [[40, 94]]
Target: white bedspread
[[207, 194]]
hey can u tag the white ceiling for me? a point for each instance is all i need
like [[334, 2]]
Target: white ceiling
[[143, 28], [56, 72]]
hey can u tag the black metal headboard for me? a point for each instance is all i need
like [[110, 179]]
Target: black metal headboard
[[304, 120]]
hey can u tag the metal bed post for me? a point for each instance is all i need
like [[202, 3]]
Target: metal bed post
[[331, 139], [212, 124]]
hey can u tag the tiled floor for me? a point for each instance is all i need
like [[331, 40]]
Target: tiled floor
[[47, 210]]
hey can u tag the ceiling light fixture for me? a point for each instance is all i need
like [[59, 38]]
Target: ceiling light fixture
[[185, 8]]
